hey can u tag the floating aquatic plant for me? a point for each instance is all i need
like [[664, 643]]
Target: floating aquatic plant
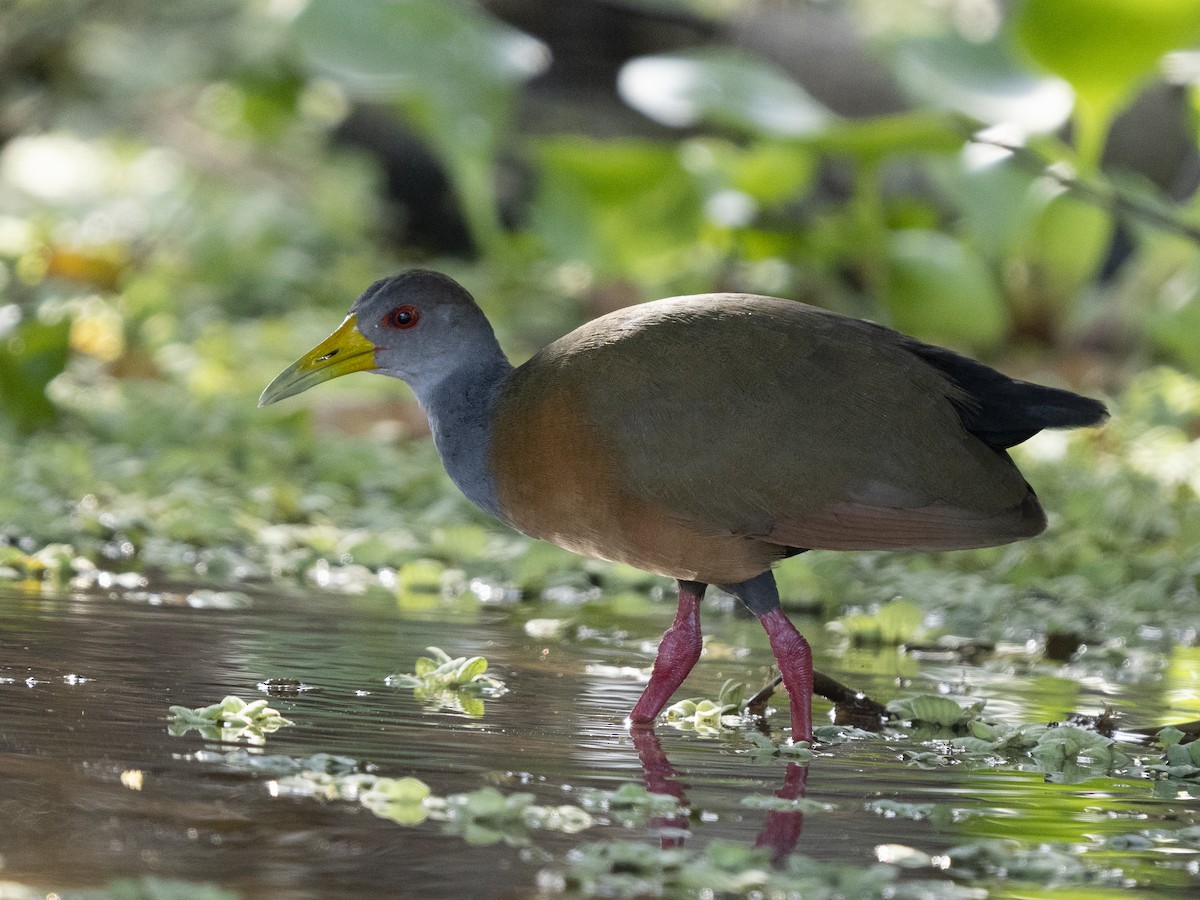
[[631, 804], [933, 710], [708, 716], [485, 816], [457, 683], [1179, 760], [230, 721], [762, 747]]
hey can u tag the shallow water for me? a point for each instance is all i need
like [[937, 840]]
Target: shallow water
[[86, 681]]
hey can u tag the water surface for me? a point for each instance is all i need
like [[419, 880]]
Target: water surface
[[93, 788]]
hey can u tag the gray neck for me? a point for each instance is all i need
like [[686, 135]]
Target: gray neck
[[460, 408]]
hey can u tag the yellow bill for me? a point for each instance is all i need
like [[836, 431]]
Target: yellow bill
[[343, 352]]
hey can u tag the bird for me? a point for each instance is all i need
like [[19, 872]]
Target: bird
[[707, 438]]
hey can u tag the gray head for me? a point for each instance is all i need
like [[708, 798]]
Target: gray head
[[419, 326]]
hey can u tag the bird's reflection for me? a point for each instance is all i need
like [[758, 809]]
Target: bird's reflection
[[780, 831]]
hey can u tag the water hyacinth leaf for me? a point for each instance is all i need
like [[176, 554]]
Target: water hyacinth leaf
[[1105, 49], [231, 720], [1062, 748], [899, 621], [443, 682], [871, 141], [419, 45], [453, 68], [472, 669], [894, 623], [931, 709], [32, 354], [406, 814], [628, 796], [403, 790], [984, 81], [422, 576], [941, 290], [486, 816], [1009, 858], [401, 800], [783, 804], [620, 207], [1065, 247], [763, 748], [709, 716], [1180, 760], [723, 88]]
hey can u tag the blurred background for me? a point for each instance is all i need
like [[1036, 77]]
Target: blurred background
[[191, 194]]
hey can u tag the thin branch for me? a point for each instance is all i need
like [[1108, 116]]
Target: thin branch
[[1106, 196]]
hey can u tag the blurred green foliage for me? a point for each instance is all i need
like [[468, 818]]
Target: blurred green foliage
[[173, 184], [451, 68], [31, 354], [1105, 49]]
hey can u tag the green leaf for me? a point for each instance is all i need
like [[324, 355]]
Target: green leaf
[[720, 87], [1065, 748], [441, 681], [940, 290], [771, 172], [1104, 48], [403, 790], [1066, 246], [32, 353], [422, 576], [899, 621], [731, 694], [452, 67], [472, 669], [780, 804], [232, 719], [934, 710], [983, 81], [872, 140], [420, 45], [623, 208]]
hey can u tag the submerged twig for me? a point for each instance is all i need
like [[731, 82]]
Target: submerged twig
[[1192, 729], [1106, 196], [852, 706]]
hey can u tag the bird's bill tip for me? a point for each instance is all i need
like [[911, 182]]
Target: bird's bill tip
[[343, 352]]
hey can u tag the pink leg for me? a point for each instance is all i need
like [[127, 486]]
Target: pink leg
[[795, 665], [677, 653]]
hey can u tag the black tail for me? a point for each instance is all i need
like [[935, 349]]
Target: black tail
[[1003, 411]]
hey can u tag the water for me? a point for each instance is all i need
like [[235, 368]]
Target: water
[[94, 789]]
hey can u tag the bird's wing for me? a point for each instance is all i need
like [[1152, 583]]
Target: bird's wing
[[772, 419]]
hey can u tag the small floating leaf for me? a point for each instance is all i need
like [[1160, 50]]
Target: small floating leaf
[[710, 716], [450, 683], [231, 720], [932, 709], [783, 804]]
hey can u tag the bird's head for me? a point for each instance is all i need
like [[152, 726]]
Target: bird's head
[[417, 326]]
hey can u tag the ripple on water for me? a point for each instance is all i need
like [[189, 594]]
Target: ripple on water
[[86, 680]]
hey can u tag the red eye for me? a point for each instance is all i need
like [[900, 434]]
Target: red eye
[[402, 317]]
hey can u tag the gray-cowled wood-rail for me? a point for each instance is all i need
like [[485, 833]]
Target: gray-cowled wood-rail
[[706, 438]]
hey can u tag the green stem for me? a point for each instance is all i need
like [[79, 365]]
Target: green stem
[[1091, 129]]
